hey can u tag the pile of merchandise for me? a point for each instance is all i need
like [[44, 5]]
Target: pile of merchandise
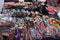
[[30, 25]]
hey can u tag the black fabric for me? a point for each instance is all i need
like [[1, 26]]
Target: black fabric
[[43, 10], [51, 38], [28, 0], [4, 37]]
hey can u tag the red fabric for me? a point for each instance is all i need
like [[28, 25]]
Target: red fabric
[[47, 0], [50, 9], [57, 1]]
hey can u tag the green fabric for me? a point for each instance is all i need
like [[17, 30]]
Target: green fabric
[[59, 1]]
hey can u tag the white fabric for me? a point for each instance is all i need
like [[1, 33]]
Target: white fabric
[[58, 14], [41, 0], [43, 4], [1, 4], [21, 0]]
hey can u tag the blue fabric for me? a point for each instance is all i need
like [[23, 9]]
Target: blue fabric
[[17, 33], [53, 2]]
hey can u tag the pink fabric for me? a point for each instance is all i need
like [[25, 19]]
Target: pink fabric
[[9, 3]]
